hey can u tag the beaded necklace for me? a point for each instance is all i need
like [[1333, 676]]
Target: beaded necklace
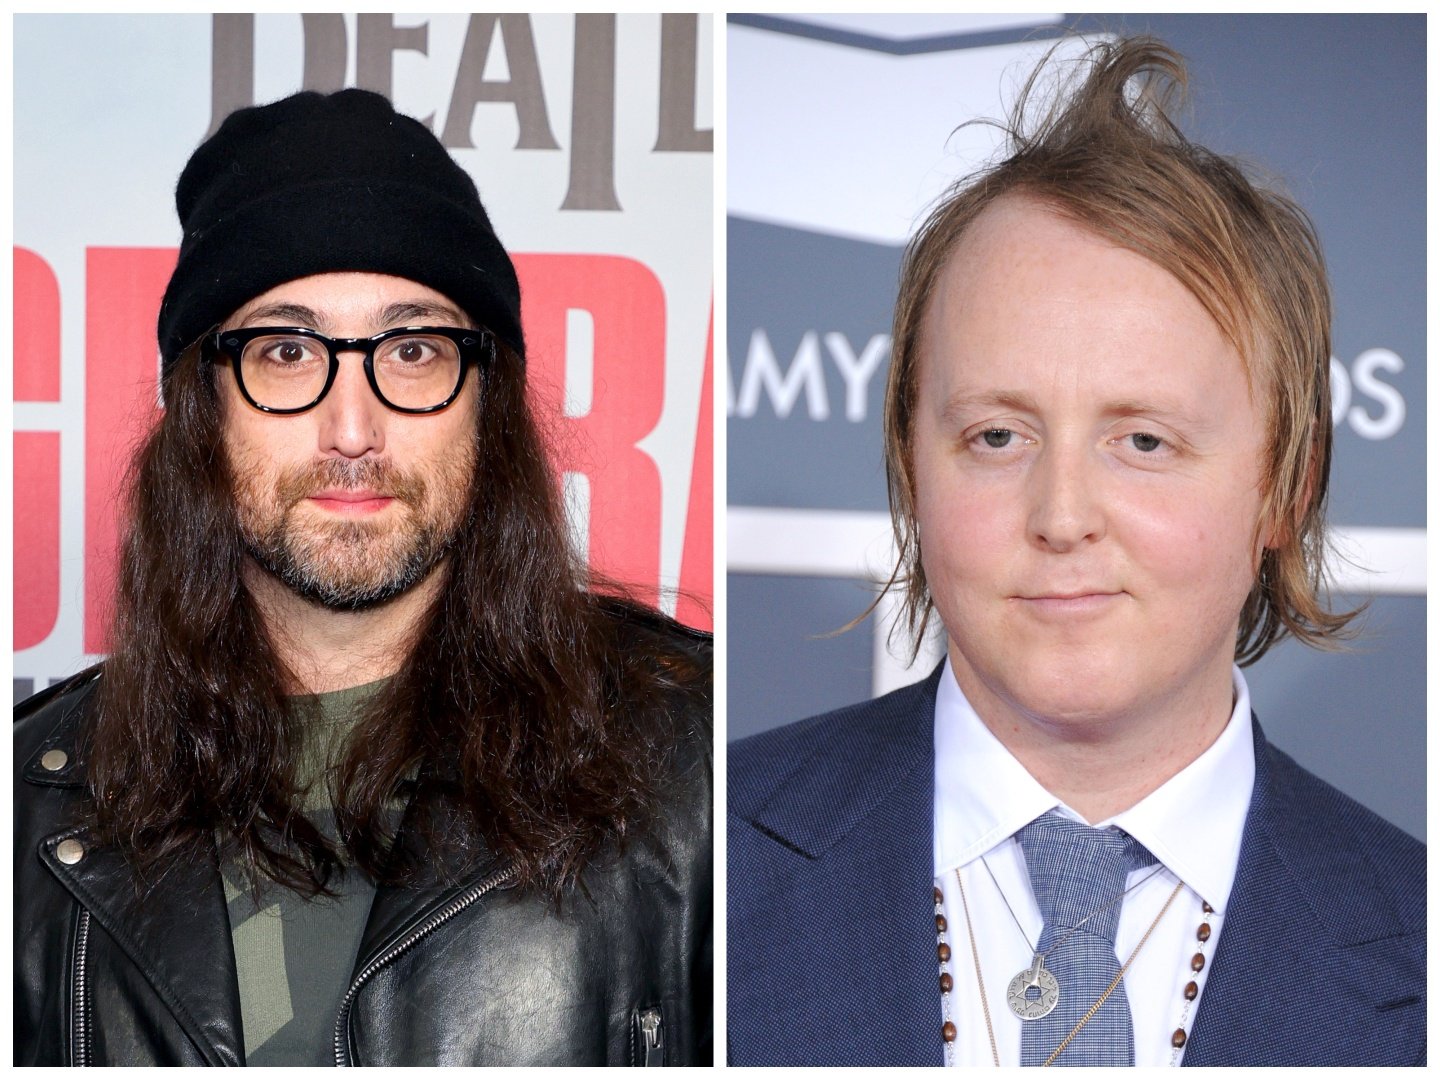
[[948, 1030]]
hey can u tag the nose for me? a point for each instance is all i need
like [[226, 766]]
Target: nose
[[1066, 500], [351, 418]]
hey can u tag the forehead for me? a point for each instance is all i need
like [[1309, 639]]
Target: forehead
[[346, 299], [1029, 297]]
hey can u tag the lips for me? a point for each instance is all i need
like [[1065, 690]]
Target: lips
[[351, 500], [1069, 604], [349, 494], [1078, 594]]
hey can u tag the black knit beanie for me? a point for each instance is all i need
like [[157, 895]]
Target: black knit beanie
[[317, 183]]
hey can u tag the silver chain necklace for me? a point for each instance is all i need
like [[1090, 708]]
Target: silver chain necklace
[[1036, 976]]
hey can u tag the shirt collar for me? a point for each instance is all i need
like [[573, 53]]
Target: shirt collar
[[1192, 823]]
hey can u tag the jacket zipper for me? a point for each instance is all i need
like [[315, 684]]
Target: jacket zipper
[[439, 919], [79, 1032], [654, 1041]]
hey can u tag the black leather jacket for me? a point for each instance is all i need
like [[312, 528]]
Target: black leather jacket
[[474, 974]]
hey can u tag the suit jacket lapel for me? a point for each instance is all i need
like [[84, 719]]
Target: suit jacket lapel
[[861, 813], [1304, 927]]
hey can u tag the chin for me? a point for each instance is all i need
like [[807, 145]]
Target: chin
[[1071, 710], [1059, 688]]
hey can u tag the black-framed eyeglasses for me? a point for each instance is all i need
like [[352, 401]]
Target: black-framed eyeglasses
[[288, 369]]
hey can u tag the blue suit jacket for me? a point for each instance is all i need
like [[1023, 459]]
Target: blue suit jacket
[[1321, 960]]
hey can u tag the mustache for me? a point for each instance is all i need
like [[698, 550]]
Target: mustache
[[369, 474]]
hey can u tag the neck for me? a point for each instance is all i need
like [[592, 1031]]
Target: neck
[[1102, 765], [323, 649]]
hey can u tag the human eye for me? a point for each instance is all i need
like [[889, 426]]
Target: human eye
[[991, 439], [1146, 444], [284, 351], [411, 351]]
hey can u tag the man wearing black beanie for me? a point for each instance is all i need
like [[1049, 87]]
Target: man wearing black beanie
[[372, 775]]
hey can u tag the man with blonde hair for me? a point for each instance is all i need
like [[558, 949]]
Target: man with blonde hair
[[1107, 442]]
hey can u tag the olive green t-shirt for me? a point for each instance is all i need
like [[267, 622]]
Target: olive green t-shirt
[[294, 956]]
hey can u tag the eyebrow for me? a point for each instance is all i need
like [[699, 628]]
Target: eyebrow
[[292, 314], [1149, 408], [1004, 399], [409, 310], [1022, 402], [398, 314]]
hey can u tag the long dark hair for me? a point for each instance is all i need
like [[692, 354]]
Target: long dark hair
[[534, 706]]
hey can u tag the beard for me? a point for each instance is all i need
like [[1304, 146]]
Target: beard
[[352, 565]]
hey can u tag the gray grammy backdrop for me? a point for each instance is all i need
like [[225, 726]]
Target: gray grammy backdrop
[[842, 129]]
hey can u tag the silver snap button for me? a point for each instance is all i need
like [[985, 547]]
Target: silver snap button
[[54, 760], [70, 851]]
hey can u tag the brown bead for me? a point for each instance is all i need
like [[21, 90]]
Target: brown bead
[[940, 923], [946, 982], [1203, 934], [948, 1032], [939, 896], [944, 951], [1205, 907], [1192, 991], [1178, 1039], [1197, 962]]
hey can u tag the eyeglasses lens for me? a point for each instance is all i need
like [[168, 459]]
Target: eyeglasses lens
[[414, 371]]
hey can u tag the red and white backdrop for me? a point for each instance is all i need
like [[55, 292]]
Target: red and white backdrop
[[589, 137]]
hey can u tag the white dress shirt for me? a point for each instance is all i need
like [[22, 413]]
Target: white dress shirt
[[1192, 824]]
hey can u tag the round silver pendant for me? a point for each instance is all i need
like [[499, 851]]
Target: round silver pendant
[[1033, 1008]]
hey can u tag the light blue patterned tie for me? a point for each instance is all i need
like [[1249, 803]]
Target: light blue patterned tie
[[1075, 871]]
